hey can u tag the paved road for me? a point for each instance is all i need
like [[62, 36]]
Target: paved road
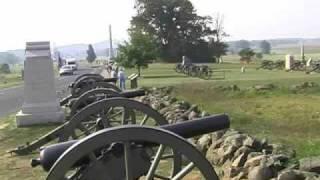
[[11, 99]]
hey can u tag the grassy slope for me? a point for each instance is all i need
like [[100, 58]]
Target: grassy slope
[[18, 167], [12, 79], [280, 116]]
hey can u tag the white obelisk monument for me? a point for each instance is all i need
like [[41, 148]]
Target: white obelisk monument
[[41, 104]]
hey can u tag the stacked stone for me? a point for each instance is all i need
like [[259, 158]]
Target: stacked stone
[[235, 155]]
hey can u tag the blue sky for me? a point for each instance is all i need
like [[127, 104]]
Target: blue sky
[[86, 21]]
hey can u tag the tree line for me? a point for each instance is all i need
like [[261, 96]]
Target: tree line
[[166, 30]]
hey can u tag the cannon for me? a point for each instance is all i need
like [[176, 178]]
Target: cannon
[[95, 95], [202, 71], [86, 82], [270, 65], [315, 67], [102, 114], [134, 152]]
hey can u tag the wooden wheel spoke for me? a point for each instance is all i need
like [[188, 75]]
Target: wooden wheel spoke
[[155, 163], [84, 129], [186, 170], [144, 120], [128, 161]]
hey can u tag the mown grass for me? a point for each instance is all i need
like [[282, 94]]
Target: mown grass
[[14, 167], [281, 115], [12, 79]]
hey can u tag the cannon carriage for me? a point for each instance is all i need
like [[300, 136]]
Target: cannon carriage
[[86, 82], [134, 152], [78, 104], [271, 65], [193, 70]]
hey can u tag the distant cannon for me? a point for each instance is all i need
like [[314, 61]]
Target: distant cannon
[[86, 82], [133, 152]]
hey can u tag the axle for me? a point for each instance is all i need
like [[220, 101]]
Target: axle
[[188, 129]]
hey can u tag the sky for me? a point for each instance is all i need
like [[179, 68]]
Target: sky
[[86, 21]]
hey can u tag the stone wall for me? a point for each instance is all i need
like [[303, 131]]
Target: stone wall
[[235, 155]]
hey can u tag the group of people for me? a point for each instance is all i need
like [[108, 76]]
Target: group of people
[[117, 72]]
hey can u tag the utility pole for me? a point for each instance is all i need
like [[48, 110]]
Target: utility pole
[[302, 51], [110, 41]]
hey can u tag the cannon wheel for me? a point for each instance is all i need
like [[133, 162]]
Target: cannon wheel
[[137, 112], [109, 112], [97, 94], [87, 75], [77, 91], [130, 137], [84, 82]]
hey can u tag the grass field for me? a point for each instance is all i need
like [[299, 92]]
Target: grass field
[[281, 115], [12, 79]]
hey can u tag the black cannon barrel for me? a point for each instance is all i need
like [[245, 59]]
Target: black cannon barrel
[[133, 93], [110, 80], [187, 129], [199, 126]]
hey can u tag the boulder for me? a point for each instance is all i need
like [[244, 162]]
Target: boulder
[[260, 173], [311, 164], [297, 175], [204, 142]]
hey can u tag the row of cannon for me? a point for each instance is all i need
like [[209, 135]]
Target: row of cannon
[[314, 66], [109, 135], [193, 70]]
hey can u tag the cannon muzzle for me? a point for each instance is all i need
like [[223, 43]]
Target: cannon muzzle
[[114, 80], [133, 93], [188, 129]]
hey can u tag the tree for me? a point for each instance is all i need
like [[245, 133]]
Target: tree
[[139, 52], [259, 56], [242, 44], [217, 49], [246, 55], [91, 55], [174, 24], [265, 47], [5, 68]]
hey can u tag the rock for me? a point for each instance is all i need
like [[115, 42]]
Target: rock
[[311, 164], [242, 150], [255, 161], [297, 175], [260, 173], [281, 149], [193, 115], [240, 160], [231, 172], [236, 139], [264, 87], [217, 135], [204, 114], [204, 142]]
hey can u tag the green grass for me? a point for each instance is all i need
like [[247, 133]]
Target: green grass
[[12, 79], [14, 167], [280, 115]]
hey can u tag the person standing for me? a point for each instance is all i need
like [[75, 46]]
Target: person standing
[[122, 78]]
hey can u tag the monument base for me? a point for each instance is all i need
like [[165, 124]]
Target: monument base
[[23, 119]]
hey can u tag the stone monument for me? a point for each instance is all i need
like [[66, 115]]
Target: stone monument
[[289, 61], [41, 105]]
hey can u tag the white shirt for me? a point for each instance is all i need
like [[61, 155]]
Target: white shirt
[[121, 75], [113, 74]]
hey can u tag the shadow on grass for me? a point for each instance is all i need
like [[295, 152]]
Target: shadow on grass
[[164, 76]]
